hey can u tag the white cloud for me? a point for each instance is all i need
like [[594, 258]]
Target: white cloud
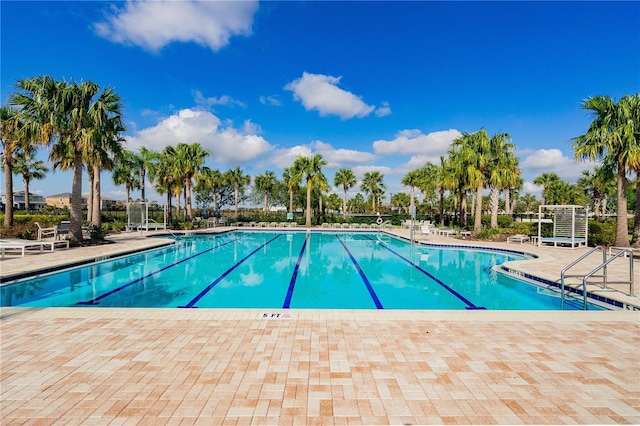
[[551, 161], [270, 100], [416, 142], [228, 145], [383, 110], [335, 158], [154, 24], [201, 100], [321, 92]]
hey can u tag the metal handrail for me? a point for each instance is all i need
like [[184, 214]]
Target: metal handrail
[[591, 274], [621, 252], [574, 263]]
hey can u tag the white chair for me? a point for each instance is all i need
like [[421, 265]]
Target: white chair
[[425, 229], [46, 232]]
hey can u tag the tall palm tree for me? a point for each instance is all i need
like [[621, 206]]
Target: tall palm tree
[[372, 183], [547, 181], [30, 169], [126, 173], [212, 180], [68, 111], [190, 158], [344, 177], [12, 136], [291, 179], [412, 180], [613, 134], [309, 168], [266, 184], [502, 171], [239, 180]]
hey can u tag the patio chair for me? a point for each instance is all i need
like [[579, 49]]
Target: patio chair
[[518, 238], [425, 230], [46, 232]]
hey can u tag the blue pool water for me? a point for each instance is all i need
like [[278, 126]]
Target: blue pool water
[[290, 270]]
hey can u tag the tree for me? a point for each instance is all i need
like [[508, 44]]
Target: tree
[[372, 183], [613, 135], [412, 180], [30, 169], [344, 177], [67, 113], [12, 133], [547, 182], [503, 171], [126, 173], [310, 169], [266, 184], [189, 158], [401, 200], [239, 180], [292, 181]]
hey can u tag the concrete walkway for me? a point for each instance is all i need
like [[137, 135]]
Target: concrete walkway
[[214, 366]]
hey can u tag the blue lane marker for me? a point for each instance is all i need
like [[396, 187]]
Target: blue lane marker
[[449, 289], [292, 283], [95, 300], [372, 292], [227, 272]]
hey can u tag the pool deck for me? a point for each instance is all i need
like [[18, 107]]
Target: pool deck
[[237, 366]]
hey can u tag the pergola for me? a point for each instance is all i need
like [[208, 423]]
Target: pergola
[[570, 225]]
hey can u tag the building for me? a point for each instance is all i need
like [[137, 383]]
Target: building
[[36, 202], [63, 200]]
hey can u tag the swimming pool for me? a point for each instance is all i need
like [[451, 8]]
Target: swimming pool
[[297, 269]]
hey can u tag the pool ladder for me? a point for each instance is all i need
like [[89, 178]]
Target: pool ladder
[[602, 267]]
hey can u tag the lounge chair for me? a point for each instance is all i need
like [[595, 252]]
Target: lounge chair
[[518, 238], [425, 230], [24, 245]]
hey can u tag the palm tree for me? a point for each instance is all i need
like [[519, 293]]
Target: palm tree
[[372, 183], [546, 181], [291, 179], [613, 134], [30, 169], [502, 171], [412, 180], [69, 111], [167, 175], [309, 168], [126, 173], [239, 180], [345, 178], [266, 184], [212, 180], [190, 158], [12, 135]]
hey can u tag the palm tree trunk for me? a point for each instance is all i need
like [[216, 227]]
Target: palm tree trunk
[[308, 221], [291, 201], [187, 195], [27, 202], [477, 224], [265, 203], [441, 207], [635, 239], [493, 205], [96, 217], [236, 199], [90, 197], [463, 208], [507, 204], [344, 204], [143, 211], [622, 238], [8, 189], [169, 208], [75, 226]]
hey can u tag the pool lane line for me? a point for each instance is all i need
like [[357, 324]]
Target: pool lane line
[[372, 292], [224, 274], [95, 300], [292, 283], [470, 305]]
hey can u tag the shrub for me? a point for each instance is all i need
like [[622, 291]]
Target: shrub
[[97, 233], [602, 233]]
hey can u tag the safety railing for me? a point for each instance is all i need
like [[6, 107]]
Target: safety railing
[[592, 273]]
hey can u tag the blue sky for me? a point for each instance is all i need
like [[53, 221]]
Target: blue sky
[[370, 85]]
